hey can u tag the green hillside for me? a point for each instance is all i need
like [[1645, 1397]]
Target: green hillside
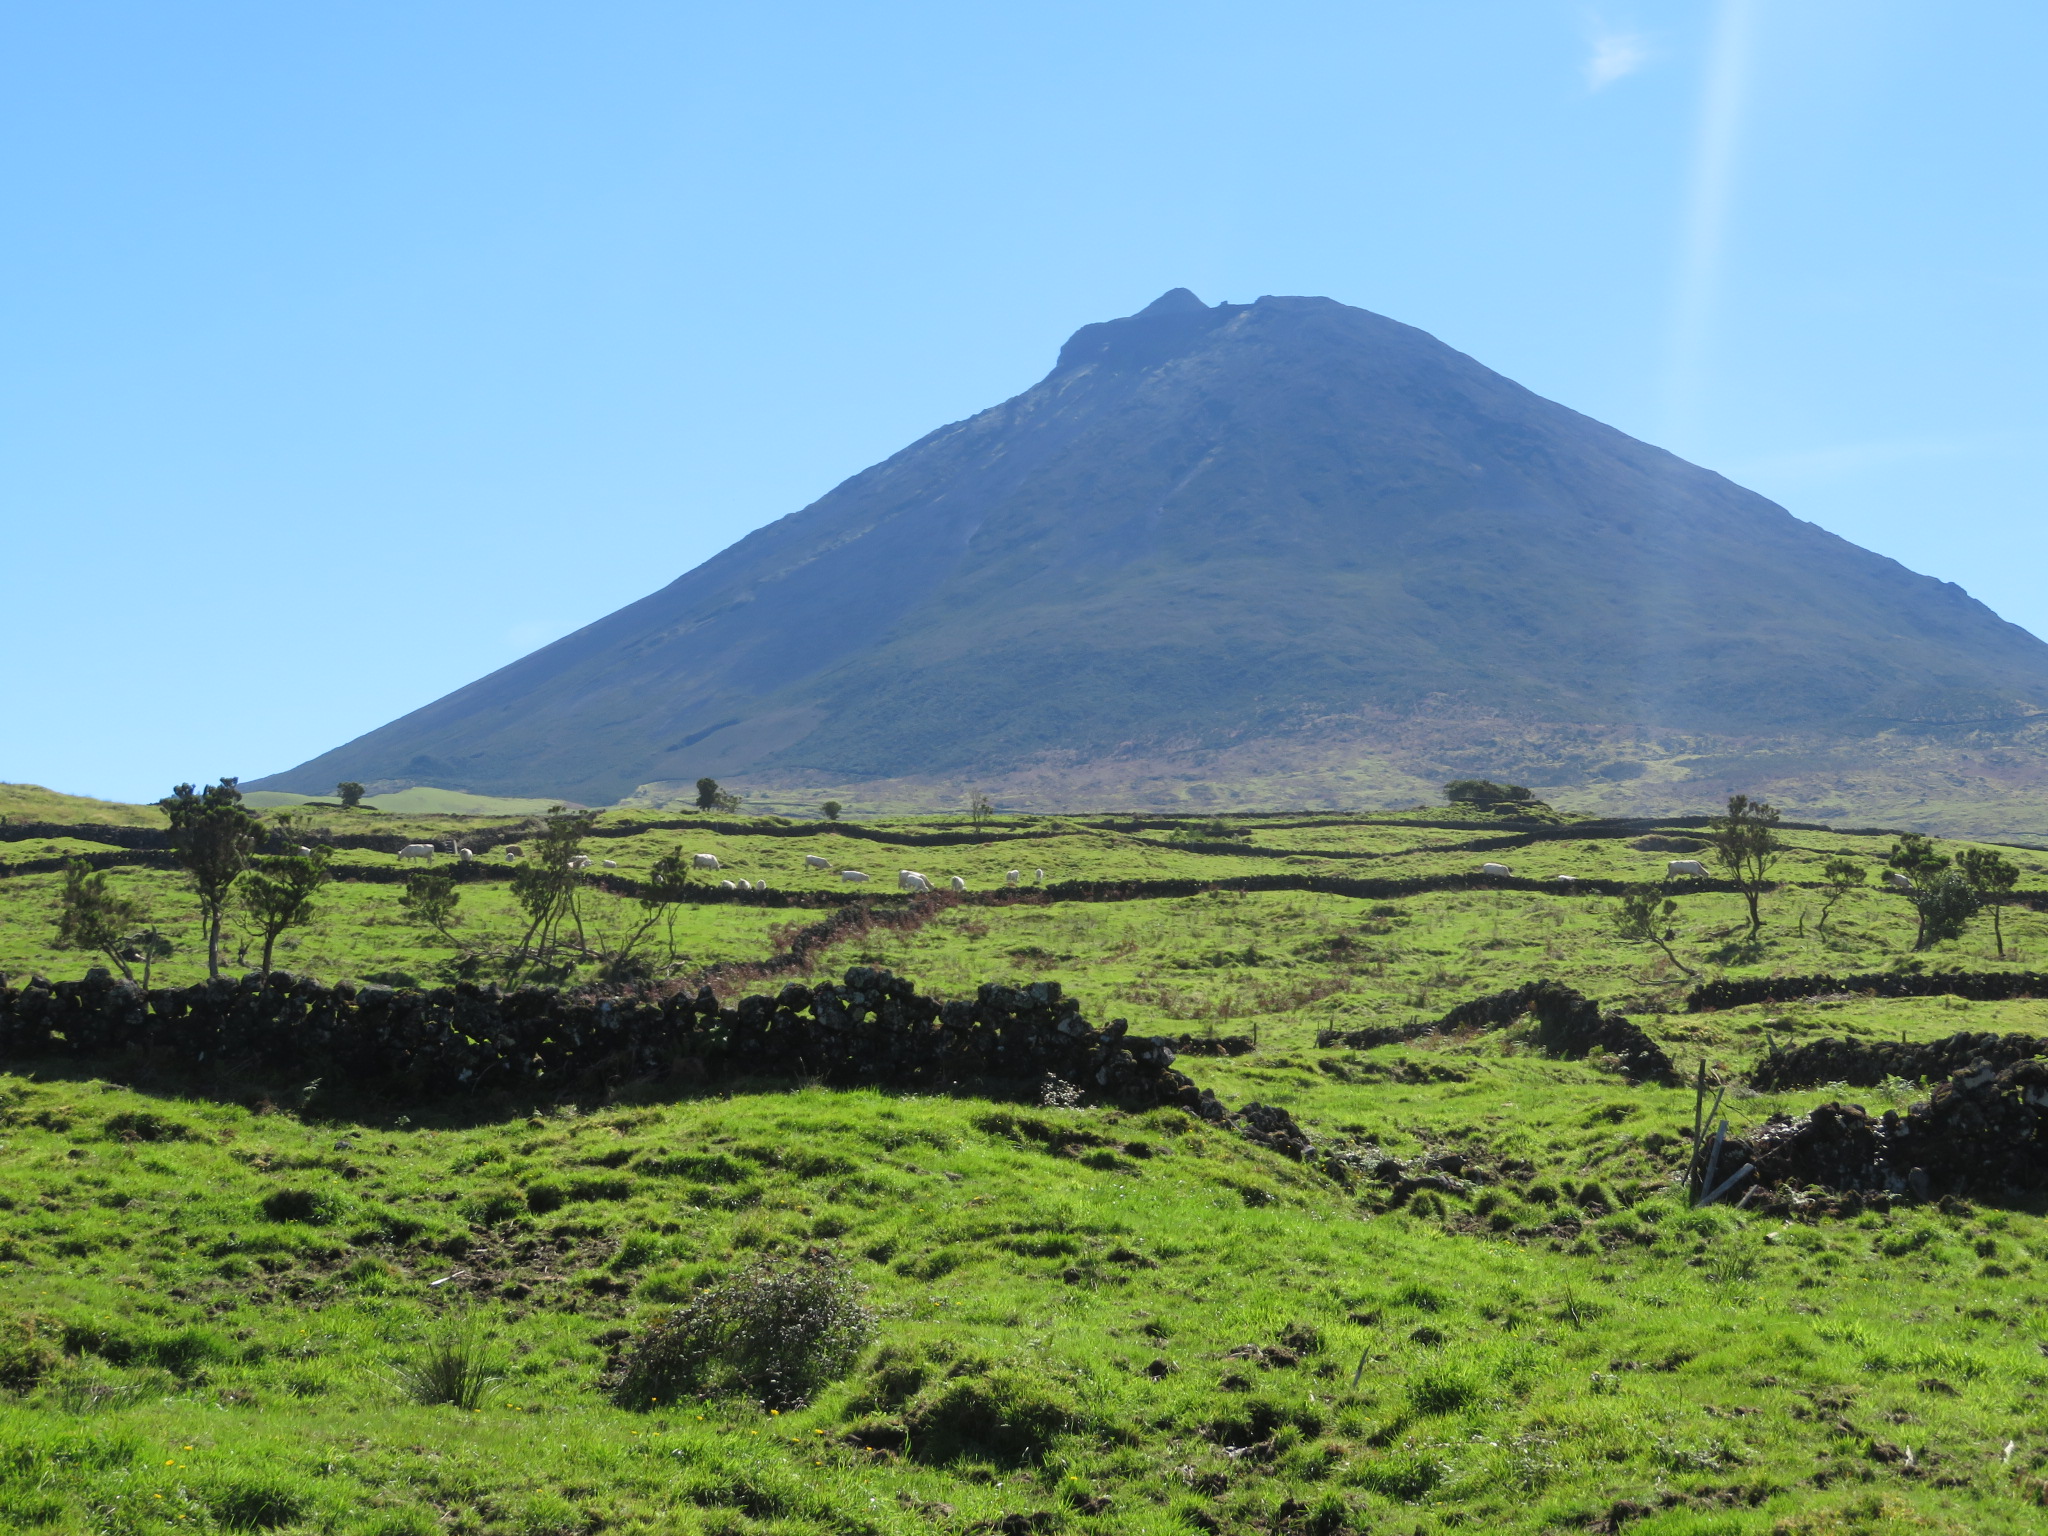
[[220, 1295], [32, 802]]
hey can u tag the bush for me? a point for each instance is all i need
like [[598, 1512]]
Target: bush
[[776, 1331]]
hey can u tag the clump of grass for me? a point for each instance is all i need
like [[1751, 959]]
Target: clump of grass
[[456, 1368], [776, 1331]]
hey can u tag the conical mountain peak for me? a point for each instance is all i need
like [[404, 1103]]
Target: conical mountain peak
[[1214, 541]]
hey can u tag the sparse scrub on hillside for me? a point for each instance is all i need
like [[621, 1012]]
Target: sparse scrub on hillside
[[775, 1331]]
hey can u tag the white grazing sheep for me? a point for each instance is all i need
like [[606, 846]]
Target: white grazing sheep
[[760, 885], [611, 863], [745, 885], [304, 851], [957, 883], [464, 854], [704, 861], [727, 885], [1897, 881], [853, 874], [1497, 870], [1011, 877], [416, 851], [581, 861], [911, 880], [1566, 879], [1677, 867], [816, 861]]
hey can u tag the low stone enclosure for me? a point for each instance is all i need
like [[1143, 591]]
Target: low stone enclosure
[[1980, 1133], [1567, 1022]]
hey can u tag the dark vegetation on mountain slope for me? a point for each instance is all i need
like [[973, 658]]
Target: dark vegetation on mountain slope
[[1211, 527]]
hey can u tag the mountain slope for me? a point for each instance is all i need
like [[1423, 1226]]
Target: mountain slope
[[1211, 527]]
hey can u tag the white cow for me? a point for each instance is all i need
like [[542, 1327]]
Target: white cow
[[608, 863], [1677, 867], [1012, 877], [1499, 871], [816, 861], [853, 875], [704, 861], [1897, 881], [957, 883], [416, 851]]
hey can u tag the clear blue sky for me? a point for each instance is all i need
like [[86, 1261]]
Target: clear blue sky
[[349, 351]]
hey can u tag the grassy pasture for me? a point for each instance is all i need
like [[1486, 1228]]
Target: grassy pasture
[[1091, 1321]]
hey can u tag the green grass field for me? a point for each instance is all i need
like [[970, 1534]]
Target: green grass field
[[211, 1294]]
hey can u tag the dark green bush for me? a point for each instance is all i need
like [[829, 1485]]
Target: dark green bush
[[776, 1332]]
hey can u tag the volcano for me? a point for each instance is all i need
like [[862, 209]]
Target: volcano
[[1220, 549]]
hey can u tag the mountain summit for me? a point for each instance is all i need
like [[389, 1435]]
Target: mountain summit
[[1218, 543]]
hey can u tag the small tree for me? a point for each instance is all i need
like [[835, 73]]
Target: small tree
[[430, 897], [279, 894], [1643, 919], [351, 794], [1915, 856], [1991, 874], [831, 808], [545, 884], [979, 809], [1945, 904], [667, 885], [152, 946], [707, 794], [214, 836], [1745, 844], [1840, 876], [90, 916]]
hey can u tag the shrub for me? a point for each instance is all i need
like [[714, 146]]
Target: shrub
[[776, 1331], [312, 1207], [455, 1368]]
